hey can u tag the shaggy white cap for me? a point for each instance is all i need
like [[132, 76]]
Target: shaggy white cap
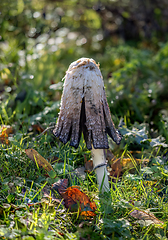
[[84, 107]]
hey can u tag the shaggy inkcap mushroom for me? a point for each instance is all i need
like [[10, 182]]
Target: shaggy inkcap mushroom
[[84, 107]]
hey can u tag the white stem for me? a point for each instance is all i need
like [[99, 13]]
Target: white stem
[[101, 172]]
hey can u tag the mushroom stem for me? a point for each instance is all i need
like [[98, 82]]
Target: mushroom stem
[[99, 164]]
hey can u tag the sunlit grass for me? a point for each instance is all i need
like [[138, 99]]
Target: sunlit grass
[[25, 211]]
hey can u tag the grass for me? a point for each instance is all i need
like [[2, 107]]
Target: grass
[[26, 214]]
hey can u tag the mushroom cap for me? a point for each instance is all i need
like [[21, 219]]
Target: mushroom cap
[[84, 107]]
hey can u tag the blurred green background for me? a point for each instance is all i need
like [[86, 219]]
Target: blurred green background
[[39, 39]]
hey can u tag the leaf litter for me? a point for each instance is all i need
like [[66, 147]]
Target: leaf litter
[[74, 199]]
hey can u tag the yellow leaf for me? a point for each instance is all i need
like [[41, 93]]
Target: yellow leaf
[[38, 159]]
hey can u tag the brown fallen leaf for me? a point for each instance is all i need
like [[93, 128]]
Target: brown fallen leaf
[[60, 186], [37, 128], [4, 133], [89, 166], [75, 200], [120, 165], [142, 215], [116, 167], [38, 159]]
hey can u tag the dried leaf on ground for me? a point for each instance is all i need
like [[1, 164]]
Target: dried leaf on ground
[[4, 133], [75, 200], [39, 160], [116, 168], [148, 218], [60, 186], [38, 128], [120, 165], [88, 165]]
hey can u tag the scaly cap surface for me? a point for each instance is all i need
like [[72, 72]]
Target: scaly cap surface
[[84, 107]]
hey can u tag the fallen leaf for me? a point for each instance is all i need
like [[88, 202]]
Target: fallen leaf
[[148, 218], [7, 128], [116, 167], [75, 200], [60, 186], [37, 128], [120, 165], [89, 166], [39, 160], [4, 134]]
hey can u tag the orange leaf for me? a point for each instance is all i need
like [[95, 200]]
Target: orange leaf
[[38, 128], [77, 200], [38, 159], [5, 131], [7, 128]]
